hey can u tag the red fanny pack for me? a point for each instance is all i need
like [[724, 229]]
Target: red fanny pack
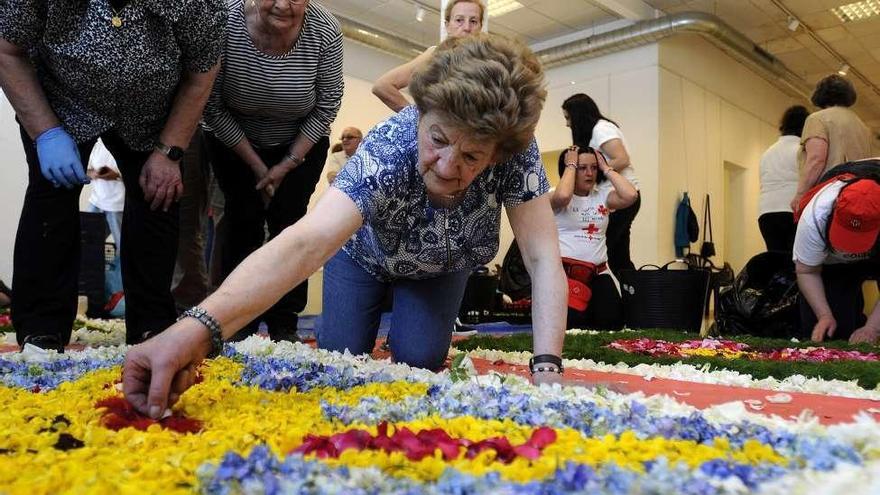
[[579, 275]]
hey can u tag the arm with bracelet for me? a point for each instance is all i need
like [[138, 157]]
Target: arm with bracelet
[[159, 370], [624, 193], [561, 196]]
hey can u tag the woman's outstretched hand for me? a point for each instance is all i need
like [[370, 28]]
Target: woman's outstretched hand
[[158, 371]]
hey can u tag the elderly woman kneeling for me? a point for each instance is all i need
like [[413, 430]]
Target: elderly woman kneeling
[[416, 208]]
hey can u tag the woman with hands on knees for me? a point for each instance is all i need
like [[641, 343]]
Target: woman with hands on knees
[[268, 119], [415, 209], [582, 210]]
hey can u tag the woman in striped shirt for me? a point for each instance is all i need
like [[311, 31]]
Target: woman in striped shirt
[[268, 120]]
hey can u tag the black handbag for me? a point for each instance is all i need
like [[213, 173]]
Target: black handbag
[[707, 249], [664, 298]]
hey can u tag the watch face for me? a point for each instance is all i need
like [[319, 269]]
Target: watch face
[[175, 153]]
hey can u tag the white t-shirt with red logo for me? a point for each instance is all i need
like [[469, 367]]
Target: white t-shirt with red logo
[[582, 226]]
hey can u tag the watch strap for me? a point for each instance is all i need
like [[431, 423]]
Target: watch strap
[[545, 359], [174, 153]]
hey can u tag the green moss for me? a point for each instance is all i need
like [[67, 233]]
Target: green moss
[[594, 347]]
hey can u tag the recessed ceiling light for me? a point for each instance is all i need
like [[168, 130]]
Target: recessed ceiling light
[[857, 11], [501, 7], [843, 70], [420, 14]]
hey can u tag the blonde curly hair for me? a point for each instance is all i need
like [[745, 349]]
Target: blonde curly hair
[[486, 85]]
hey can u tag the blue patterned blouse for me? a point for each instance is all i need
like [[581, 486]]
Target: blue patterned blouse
[[403, 235]]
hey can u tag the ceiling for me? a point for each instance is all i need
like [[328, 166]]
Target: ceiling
[[763, 21]]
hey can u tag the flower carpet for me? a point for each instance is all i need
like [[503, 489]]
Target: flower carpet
[[286, 418], [730, 349]]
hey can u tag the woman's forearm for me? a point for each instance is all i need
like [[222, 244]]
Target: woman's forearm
[[245, 150], [301, 147], [19, 81], [189, 102], [813, 290], [285, 262], [391, 96], [623, 188], [564, 190], [549, 306]]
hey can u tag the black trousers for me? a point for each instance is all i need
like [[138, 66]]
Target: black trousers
[[605, 309], [778, 229], [247, 217], [617, 236], [47, 250], [843, 290]]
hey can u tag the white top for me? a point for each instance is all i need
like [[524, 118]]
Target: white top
[[107, 195], [603, 132], [779, 175], [582, 225], [336, 161], [810, 247]]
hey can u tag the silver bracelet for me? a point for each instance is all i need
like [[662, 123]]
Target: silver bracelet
[[211, 324], [295, 159]]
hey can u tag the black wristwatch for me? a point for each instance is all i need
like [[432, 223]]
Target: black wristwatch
[[535, 363], [174, 153]]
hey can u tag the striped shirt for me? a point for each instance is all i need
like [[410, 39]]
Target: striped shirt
[[272, 98]]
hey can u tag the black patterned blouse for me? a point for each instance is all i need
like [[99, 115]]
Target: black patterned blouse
[[104, 69]]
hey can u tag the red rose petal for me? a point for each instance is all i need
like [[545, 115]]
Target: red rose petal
[[120, 414], [417, 446]]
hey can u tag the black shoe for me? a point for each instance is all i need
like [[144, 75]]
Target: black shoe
[[283, 334], [45, 342]]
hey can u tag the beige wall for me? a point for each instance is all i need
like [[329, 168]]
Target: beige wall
[[716, 119]]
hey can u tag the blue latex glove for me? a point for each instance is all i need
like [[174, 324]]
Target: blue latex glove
[[59, 158]]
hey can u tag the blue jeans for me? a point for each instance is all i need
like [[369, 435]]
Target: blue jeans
[[114, 221], [421, 322]]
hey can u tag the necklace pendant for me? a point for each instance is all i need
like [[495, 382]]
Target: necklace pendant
[[116, 21]]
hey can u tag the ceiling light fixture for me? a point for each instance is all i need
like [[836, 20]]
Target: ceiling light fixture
[[857, 11], [501, 7], [420, 14], [843, 70], [793, 23], [367, 33]]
